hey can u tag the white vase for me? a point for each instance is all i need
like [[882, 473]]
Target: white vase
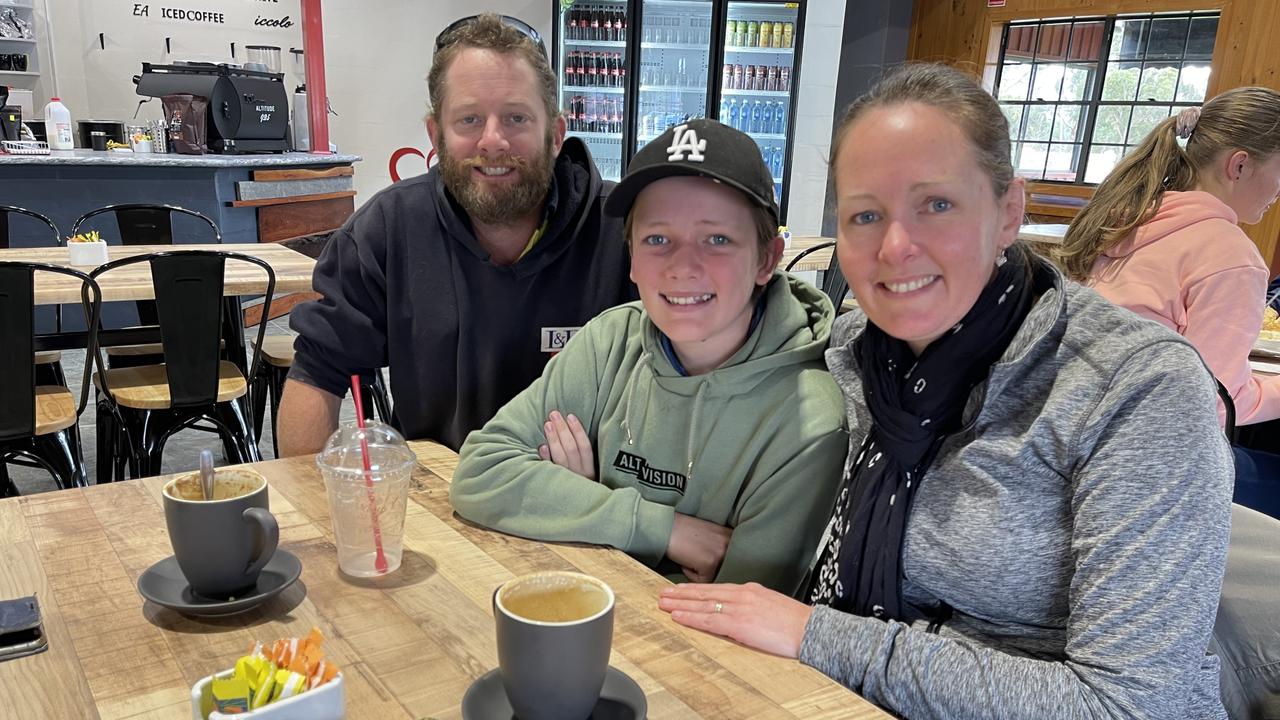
[[88, 253]]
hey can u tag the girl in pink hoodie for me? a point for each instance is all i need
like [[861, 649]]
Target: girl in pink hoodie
[[1160, 236]]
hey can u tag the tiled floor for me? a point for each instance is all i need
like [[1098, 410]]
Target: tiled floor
[[181, 452]]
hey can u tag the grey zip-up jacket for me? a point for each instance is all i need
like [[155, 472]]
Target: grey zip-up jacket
[[1078, 526]]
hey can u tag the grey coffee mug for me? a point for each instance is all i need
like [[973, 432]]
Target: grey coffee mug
[[553, 670], [221, 545]]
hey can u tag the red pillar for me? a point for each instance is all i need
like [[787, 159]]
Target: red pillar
[[317, 96]]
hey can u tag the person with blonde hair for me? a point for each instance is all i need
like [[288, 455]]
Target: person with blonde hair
[[1032, 521], [1160, 236]]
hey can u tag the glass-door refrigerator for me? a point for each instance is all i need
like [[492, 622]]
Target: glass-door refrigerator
[[675, 62], [758, 79], [593, 62]]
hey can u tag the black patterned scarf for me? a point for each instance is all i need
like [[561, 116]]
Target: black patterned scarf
[[914, 403]]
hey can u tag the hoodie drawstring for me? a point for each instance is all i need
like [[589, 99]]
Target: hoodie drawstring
[[642, 362], [693, 431]]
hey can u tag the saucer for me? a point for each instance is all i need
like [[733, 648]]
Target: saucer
[[620, 699], [165, 585]]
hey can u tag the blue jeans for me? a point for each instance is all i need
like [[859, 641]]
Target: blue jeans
[[1257, 480]]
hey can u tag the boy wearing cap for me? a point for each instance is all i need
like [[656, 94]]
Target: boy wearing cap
[[698, 429]]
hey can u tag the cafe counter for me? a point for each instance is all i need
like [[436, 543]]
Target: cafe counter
[[252, 198]]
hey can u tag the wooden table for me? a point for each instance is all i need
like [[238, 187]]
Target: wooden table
[[409, 644], [293, 271], [819, 260], [293, 274]]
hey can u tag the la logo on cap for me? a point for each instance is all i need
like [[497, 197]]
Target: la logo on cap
[[685, 145]]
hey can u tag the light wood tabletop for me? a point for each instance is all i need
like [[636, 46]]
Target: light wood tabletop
[[293, 271], [409, 644], [817, 260]]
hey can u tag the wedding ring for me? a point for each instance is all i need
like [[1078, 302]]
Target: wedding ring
[[719, 606]]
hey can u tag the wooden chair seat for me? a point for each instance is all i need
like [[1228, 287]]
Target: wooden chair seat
[[132, 350], [146, 387], [277, 350], [55, 409], [48, 357], [145, 349]]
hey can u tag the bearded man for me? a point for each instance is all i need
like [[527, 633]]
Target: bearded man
[[463, 281]]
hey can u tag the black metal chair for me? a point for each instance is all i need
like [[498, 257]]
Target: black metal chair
[[139, 407], [38, 422], [142, 224], [268, 384], [48, 362], [816, 248], [833, 282]]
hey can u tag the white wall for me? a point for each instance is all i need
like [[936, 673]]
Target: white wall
[[377, 55], [806, 196]]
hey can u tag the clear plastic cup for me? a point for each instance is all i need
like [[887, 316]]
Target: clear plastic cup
[[354, 504]]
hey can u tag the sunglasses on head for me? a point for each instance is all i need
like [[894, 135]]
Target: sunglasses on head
[[443, 40]]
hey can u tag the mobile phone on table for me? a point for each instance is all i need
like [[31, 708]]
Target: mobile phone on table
[[21, 628]]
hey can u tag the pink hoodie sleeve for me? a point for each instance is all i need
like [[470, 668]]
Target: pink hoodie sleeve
[[1224, 315]]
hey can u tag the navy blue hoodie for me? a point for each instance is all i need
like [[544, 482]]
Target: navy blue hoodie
[[405, 284]]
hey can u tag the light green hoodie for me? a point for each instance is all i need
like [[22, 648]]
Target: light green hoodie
[[756, 445]]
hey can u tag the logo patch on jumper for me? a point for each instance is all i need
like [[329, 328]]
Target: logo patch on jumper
[[555, 338], [638, 467]]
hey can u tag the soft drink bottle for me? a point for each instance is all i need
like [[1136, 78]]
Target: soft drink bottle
[[757, 116], [724, 112], [732, 115], [780, 119], [594, 33]]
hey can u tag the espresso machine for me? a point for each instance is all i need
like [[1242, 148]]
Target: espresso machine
[[248, 110]]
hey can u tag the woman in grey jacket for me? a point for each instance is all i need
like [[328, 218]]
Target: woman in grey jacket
[[1035, 509]]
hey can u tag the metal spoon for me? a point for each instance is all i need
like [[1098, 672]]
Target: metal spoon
[[206, 474]]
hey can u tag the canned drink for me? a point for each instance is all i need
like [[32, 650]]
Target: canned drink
[[766, 34], [731, 32], [762, 76], [787, 31], [771, 82], [749, 77], [777, 35], [753, 32], [726, 81], [784, 79], [737, 77]]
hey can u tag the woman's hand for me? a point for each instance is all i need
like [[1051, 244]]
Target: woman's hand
[[750, 614], [698, 546], [568, 445]]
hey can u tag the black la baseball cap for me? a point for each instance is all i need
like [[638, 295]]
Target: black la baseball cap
[[699, 148]]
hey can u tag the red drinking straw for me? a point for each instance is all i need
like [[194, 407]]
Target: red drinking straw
[[379, 562]]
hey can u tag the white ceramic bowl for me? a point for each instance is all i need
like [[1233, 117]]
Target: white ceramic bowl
[[327, 702]]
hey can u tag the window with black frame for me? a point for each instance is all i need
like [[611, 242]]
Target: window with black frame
[[1080, 92]]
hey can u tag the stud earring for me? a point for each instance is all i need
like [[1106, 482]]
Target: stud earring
[[1001, 259]]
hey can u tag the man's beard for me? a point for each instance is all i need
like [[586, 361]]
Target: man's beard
[[498, 204]]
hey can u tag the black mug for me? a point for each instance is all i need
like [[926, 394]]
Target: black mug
[[222, 544], [554, 631]]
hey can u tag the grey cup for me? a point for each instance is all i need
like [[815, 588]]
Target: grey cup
[[553, 670], [221, 545]]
